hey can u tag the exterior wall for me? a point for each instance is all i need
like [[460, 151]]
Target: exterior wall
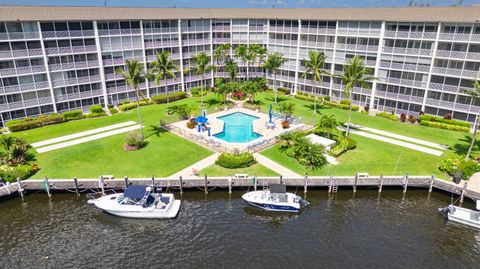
[[58, 66]]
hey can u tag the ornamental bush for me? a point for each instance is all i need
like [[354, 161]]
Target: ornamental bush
[[73, 115], [52, 119], [345, 102], [96, 109], [161, 99], [343, 145], [197, 91], [25, 124], [444, 126], [134, 141], [96, 115], [21, 171], [458, 163], [342, 106], [386, 115], [432, 118], [231, 161]]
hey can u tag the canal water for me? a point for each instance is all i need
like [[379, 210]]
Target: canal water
[[216, 231]]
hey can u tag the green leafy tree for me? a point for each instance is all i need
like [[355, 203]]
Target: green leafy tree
[[225, 89], [14, 151], [288, 109], [327, 125], [273, 63], [251, 88], [355, 74], [200, 67], [220, 55], [315, 66], [133, 76], [312, 156], [243, 55], [161, 69], [183, 111], [475, 94], [231, 67]]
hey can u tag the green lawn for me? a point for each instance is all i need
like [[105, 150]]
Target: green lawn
[[164, 154], [370, 156], [258, 169]]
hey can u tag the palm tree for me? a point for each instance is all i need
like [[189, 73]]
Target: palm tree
[[133, 76], [201, 66], [220, 53], [313, 157], [327, 124], [251, 88], [231, 67], [475, 93], [288, 109], [184, 111], [261, 53], [162, 68], [241, 52], [225, 89], [355, 74], [14, 151], [273, 62], [315, 65]]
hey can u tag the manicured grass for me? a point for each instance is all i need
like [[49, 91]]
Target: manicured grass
[[370, 156], [457, 141], [164, 154], [258, 169]]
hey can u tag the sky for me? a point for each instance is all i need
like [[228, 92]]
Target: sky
[[240, 3]]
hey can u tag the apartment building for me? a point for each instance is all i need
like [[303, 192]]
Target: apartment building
[[55, 59]]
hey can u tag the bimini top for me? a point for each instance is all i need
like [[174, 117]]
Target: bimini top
[[201, 119], [136, 192], [277, 188]]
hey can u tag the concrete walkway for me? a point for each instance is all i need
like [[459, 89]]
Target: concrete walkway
[[399, 137], [87, 139], [474, 183], [81, 134], [279, 169], [204, 163], [396, 142]]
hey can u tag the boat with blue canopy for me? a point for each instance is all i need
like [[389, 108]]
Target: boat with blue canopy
[[275, 198], [138, 201]]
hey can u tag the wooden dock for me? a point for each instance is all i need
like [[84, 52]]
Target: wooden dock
[[207, 184]]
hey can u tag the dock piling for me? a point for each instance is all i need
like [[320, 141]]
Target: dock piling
[[46, 186], [330, 185], [181, 185], [464, 189], [20, 189], [126, 181], [101, 183], [153, 183], [255, 182], [206, 184], [281, 179], [432, 179], [306, 184], [75, 182], [230, 185], [356, 182], [405, 183], [380, 186]]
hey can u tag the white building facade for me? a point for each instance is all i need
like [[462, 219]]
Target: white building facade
[[53, 61]]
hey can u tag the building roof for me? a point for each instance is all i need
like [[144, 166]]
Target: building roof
[[406, 14]]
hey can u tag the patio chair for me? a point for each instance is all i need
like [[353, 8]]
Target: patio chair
[[299, 120]]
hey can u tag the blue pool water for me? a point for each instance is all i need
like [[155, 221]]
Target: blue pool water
[[238, 128]]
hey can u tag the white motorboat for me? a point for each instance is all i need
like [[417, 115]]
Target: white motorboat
[[275, 198], [463, 215], [138, 201]]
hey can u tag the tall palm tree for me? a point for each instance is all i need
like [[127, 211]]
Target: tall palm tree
[[134, 75], [475, 93], [225, 89], [315, 66], [231, 67], [220, 53], [242, 54], [272, 64], [355, 74], [288, 109], [201, 66], [163, 68], [327, 124]]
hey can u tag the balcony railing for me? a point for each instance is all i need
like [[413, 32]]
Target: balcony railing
[[104, 32], [61, 34], [356, 32], [284, 29], [78, 65], [409, 51], [20, 53], [160, 30], [22, 70], [221, 28], [319, 31], [404, 82], [445, 88], [79, 95], [414, 35], [70, 50], [404, 66], [161, 44], [19, 35]]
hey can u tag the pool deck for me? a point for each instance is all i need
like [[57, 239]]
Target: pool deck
[[216, 126]]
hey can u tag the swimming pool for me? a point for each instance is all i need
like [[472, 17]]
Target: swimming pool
[[238, 128]]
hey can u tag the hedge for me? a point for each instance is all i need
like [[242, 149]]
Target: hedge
[[133, 105], [22, 171], [387, 115], [232, 161], [342, 106], [25, 124], [160, 99], [445, 126], [284, 90], [96, 109], [304, 98], [197, 91], [432, 118], [73, 115], [51, 119], [343, 145]]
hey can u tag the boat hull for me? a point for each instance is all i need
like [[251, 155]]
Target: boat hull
[[463, 216], [152, 214], [257, 199], [271, 207]]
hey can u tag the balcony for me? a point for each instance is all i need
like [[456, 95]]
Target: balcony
[[22, 70], [121, 47], [104, 32], [404, 66], [318, 31], [68, 34], [79, 95], [221, 28], [451, 54], [256, 28], [19, 35], [412, 35], [283, 42], [409, 51], [70, 50], [284, 29], [79, 65], [404, 82], [221, 40], [24, 87], [445, 88], [75, 81], [357, 47], [160, 30], [196, 42], [356, 32], [26, 103], [454, 37], [120, 61], [20, 53], [161, 44], [196, 29]]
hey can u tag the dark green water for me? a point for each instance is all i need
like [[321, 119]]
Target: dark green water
[[216, 231]]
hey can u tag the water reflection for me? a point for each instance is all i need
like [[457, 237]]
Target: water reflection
[[276, 219]]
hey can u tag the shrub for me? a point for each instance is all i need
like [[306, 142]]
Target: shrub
[[412, 119], [345, 102], [25, 124], [160, 99], [304, 98], [285, 124], [448, 116], [231, 161], [128, 106], [197, 91], [326, 98], [466, 167], [387, 116], [444, 126], [444, 121], [366, 108], [342, 106], [22, 171], [110, 106], [73, 115], [403, 117], [191, 124], [96, 109], [343, 145], [126, 102], [134, 141], [113, 110], [284, 90], [52, 119]]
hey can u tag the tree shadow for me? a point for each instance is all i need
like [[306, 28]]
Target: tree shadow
[[212, 102], [462, 148], [279, 99], [155, 130], [320, 107]]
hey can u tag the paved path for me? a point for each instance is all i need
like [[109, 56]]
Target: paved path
[[87, 139], [81, 134], [279, 169], [474, 183], [400, 137], [396, 142], [204, 163]]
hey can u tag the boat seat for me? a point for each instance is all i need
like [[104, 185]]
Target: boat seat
[[165, 200]]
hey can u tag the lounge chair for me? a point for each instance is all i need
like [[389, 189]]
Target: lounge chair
[[299, 120]]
